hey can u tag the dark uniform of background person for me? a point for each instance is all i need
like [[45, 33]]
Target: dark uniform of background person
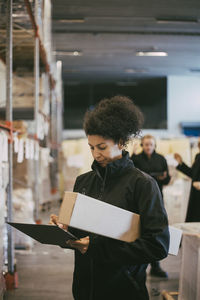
[[155, 165], [193, 211], [109, 269]]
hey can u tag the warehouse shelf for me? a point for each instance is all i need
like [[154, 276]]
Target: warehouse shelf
[[28, 59]]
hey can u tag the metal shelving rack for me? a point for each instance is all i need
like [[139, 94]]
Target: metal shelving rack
[[55, 86]]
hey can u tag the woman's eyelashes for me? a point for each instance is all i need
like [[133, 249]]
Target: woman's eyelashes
[[98, 147], [101, 148]]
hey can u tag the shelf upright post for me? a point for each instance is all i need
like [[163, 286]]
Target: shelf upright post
[[36, 112], [9, 118], [59, 103], [53, 138]]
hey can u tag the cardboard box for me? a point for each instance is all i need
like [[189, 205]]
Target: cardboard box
[[89, 214], [86, 213], [189, 287]]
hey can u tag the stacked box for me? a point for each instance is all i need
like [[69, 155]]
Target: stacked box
[[23, 206], [175, 198], [2, 84], [23, 92], [2, 224], [189, 287]]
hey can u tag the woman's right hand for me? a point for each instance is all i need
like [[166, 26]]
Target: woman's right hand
[[54, 221], [178, 158]]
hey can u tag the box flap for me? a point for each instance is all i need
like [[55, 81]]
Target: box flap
[[67, 207], [133, 232]]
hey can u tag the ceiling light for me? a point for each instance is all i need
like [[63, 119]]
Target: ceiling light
[[151, 53], [131, 71], [68, 53], [176, 20], [70, 21]]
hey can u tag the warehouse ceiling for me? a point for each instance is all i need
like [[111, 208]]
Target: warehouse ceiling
[[108, 40]]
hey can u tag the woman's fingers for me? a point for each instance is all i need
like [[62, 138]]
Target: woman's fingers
[[81, 245], [62, 226], [196, 185], [178, 158], [53, 219]]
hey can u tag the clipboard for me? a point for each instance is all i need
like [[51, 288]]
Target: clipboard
[[46, 234], [156, 174]]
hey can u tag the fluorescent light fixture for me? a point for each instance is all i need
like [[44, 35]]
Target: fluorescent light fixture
[[68, 53], [163, 20], [133, 71], [72, 21], [151, 53]]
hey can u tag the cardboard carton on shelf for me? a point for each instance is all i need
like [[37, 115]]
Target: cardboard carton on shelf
[[88, 214]]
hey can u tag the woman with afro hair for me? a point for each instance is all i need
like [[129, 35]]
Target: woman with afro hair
[[108, 269]]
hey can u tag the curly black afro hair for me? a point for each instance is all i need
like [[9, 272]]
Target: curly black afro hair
[[117, 118]]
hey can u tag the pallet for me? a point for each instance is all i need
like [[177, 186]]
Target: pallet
[[169, 295]]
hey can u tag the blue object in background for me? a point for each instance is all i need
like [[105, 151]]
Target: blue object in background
[[191, 128]]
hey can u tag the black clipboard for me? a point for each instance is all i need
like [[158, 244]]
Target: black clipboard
[[46, 234], [156, 174]]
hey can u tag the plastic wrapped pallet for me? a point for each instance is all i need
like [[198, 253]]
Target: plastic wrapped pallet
[[76, 159], [189, 227], [189, 287], [71, 169], [23, 92], [175, 198], [2, 84], [2, 224], [23, 213], [45, 187], [21, 176]]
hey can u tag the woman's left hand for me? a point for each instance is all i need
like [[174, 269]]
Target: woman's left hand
[[196, 185], [81, 245]]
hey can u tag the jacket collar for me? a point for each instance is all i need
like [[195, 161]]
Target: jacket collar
[[115, 168], [152, 155]]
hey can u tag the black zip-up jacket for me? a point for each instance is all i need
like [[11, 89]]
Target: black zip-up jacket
[[155, 164], [111, 269], [193, 210]]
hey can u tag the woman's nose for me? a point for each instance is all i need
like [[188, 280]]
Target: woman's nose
[[96, 153]]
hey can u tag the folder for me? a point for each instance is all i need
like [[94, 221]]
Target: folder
[[46, 234]]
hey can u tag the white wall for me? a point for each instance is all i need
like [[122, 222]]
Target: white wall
[[183, 101]]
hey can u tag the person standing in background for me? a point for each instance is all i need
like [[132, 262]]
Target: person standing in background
[[193, 211], [155, 165]]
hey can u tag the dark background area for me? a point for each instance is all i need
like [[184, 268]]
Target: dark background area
[[150, 95]]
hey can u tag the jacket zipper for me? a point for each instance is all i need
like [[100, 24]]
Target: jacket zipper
[[103, 183], [92, 262]]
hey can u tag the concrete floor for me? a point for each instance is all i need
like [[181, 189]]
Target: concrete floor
[[45, 273]]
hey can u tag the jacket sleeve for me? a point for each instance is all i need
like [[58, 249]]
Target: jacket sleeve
[[166, 180], [185, 169], [154, 241]]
